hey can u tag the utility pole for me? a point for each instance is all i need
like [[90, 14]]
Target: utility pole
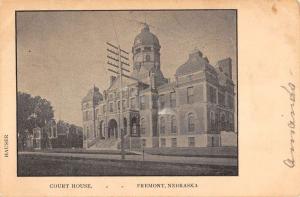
[[116, 58]]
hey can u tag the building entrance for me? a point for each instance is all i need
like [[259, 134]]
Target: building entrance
[[112, 129]]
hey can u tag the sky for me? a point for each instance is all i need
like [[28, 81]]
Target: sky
[[61, 55]]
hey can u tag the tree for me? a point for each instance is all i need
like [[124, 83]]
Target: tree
[[31, 112]]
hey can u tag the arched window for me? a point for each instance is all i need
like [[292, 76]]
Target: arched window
[[143, 129], [173, 124], [162, 125], [147, 58], [191, 122]]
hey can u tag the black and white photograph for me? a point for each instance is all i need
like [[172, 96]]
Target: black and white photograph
[[127, 92]]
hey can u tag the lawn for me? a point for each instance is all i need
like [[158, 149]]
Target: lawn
[[224, 152], [39, 165], [81, 150]]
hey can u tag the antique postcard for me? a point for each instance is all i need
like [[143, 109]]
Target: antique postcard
[[140, 98]]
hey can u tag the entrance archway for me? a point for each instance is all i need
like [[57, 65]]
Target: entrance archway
[[112, 129]]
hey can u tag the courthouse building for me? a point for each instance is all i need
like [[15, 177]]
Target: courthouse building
[[189, 111]]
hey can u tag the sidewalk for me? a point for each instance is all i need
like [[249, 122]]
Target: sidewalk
[[147, 157]]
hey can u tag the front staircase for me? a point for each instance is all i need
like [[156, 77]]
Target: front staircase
[[110, 143]]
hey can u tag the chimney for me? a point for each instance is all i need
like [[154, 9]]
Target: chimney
[[195, 53], [225, 67], [206, 59]]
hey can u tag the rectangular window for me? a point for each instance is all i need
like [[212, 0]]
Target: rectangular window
[[132, 103], [162, 101], [173, 99], [191, 141], [111, 97], [104, 109], [111, 107], [173, 124], [163, 142], [229, 101], [119, 105], [142, 102], [54, 132], [221, 99], [190, 95], [212, 95], [173, 142], [123, 104], [86, 115]]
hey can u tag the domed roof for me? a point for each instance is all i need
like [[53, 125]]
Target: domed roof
[[146, 37], [93, 95], [195, 63]]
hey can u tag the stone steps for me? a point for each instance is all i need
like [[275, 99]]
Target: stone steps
[[105, 144]]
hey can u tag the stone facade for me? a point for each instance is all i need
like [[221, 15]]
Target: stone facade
[[189, 111]]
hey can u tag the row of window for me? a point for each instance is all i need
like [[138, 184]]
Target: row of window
[[212, 97], [163, 98], [116, 95], [190, 123], [191, 142], [87, 115], [162, 124], [220, 121], [51, 132], [125, 105], [224, 124], [146, 49]]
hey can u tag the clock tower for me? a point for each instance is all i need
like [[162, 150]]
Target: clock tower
[[146, 57]]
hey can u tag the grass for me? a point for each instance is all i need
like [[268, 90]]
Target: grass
[[221, 152], [33, 165], [81, 150], [224, 152]]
